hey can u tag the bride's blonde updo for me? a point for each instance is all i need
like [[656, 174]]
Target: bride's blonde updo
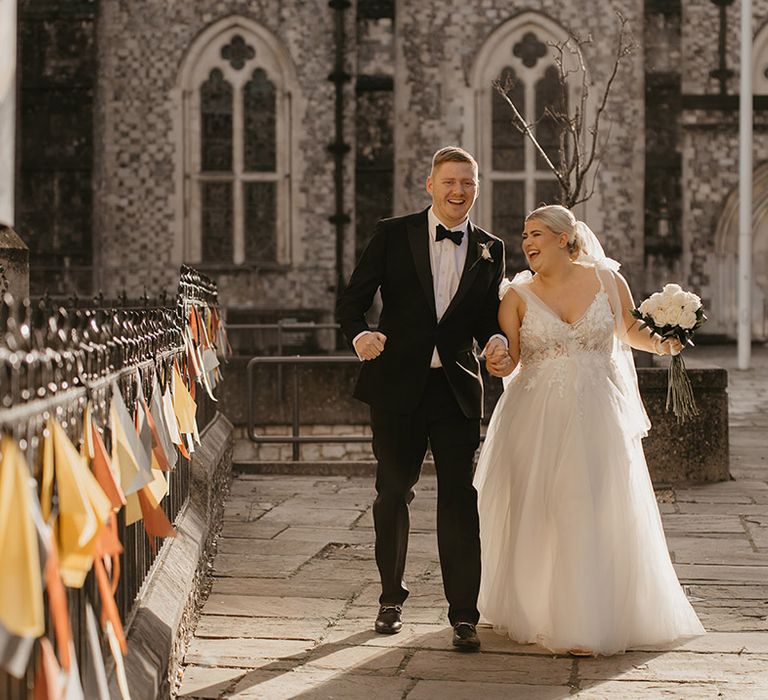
[[559, 219]]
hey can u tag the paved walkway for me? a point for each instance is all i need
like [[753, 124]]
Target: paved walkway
[[295, 589]]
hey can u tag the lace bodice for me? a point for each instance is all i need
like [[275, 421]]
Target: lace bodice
[[546, 341], [543, 335]]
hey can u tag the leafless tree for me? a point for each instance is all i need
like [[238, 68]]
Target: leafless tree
[[580, 144]]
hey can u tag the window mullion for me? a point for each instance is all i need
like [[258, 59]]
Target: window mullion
[[530, 150], [238, 242]]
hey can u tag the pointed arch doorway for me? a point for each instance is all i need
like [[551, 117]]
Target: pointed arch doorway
[[723, 313]]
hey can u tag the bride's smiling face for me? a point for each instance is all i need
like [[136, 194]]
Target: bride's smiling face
[[541, 244]]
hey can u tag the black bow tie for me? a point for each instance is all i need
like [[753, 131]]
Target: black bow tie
[[443, 232]]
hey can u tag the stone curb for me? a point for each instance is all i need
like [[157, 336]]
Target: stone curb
[[156, 632]]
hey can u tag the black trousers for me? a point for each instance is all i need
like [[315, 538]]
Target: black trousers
[[400, 444]]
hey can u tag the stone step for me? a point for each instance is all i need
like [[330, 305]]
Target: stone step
[[329, 468]]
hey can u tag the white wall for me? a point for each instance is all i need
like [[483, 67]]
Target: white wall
[[7, 108]]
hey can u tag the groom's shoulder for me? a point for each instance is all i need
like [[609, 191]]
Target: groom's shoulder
[[488, 234], [404, 221]]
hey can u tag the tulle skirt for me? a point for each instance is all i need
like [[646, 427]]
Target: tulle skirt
[[573, 550]]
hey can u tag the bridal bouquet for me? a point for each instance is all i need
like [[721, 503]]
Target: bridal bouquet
[[674, 313]]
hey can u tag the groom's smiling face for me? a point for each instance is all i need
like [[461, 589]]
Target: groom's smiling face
[[453, 188]]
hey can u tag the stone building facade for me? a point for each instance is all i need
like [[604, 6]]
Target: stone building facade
[[260, 140]]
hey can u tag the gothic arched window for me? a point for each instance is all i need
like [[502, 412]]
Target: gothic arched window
[[515, 177], [236, 86], [760, 61]]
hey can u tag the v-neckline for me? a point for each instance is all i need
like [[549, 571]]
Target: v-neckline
[[558, 317]]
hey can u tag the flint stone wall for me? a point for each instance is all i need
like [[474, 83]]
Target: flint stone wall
[[436, 45], [142, 47], [695, 451]]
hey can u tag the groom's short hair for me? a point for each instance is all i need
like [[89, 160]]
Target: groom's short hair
[[453, 154]]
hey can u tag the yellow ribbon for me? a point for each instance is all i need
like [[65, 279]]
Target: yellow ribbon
[[21, 587]]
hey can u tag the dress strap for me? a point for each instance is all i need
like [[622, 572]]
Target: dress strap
[[599, 278]]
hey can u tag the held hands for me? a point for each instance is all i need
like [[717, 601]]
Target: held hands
[[497, 359], [370, 345]]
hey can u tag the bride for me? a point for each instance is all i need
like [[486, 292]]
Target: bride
[[573, 552]]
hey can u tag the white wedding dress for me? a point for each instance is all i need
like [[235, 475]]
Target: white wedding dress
[[573, 551]]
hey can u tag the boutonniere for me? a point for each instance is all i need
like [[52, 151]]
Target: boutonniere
[[483, 253]]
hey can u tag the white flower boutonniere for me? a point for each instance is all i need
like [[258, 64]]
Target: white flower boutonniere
[[483, 253]]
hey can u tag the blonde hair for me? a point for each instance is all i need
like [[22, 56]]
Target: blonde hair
[[559, 219], [454, 154]]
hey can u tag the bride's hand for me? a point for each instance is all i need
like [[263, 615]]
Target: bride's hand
[[497, 360], [670, 346]]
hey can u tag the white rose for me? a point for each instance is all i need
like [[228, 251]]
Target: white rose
[[651, 304], [661, 315], [679, 299], [675, 312], [687, 319], [671, 289], [693, 303]]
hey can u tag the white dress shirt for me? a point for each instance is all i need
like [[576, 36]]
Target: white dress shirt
[[447, 261]]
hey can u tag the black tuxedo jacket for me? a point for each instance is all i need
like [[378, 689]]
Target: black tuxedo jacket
[[397, 261]]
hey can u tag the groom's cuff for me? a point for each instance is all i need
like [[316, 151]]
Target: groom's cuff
[[503, 339], [354, 341]]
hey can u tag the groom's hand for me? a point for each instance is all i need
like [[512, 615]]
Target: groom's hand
[[370, 345], [497, 359]]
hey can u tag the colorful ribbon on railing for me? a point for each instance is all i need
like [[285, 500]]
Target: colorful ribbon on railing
[[54, 537]]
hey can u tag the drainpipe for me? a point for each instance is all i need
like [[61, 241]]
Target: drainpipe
[[745, 190], [340, 219]]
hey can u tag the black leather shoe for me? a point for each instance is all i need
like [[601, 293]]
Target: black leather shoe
[[465, 637], [388, 620]]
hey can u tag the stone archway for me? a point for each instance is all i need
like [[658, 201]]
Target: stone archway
[[723, 313]]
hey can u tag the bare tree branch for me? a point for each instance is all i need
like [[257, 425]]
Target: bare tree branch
[[579, 148], [527, 130]]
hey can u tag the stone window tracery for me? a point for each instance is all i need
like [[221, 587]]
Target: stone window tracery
[[514, 176], [237, 131]]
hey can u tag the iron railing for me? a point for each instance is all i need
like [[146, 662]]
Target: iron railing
[[51, 362]]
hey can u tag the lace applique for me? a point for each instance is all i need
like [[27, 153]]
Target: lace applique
[[549, 346]]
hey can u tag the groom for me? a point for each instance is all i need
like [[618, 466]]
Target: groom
[[439, 277]]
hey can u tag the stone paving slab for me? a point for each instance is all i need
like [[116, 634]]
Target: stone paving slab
[[363, 659], [676, 523], [325, 535], [677, 667], [285, 547], [295, 592], [722, 574], [273, 606], [489, 667], [243, 651], [324, 517], [244, 627], [260, 565], [208, 681], [319, 684], [452, 690], [629, 690], [705, 591], [257, 531], [288, 588]]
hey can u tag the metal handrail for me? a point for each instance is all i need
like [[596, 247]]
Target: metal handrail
[[281, 326], [295, 439]]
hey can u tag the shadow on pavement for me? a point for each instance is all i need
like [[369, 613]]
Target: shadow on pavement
[[423, 666]]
